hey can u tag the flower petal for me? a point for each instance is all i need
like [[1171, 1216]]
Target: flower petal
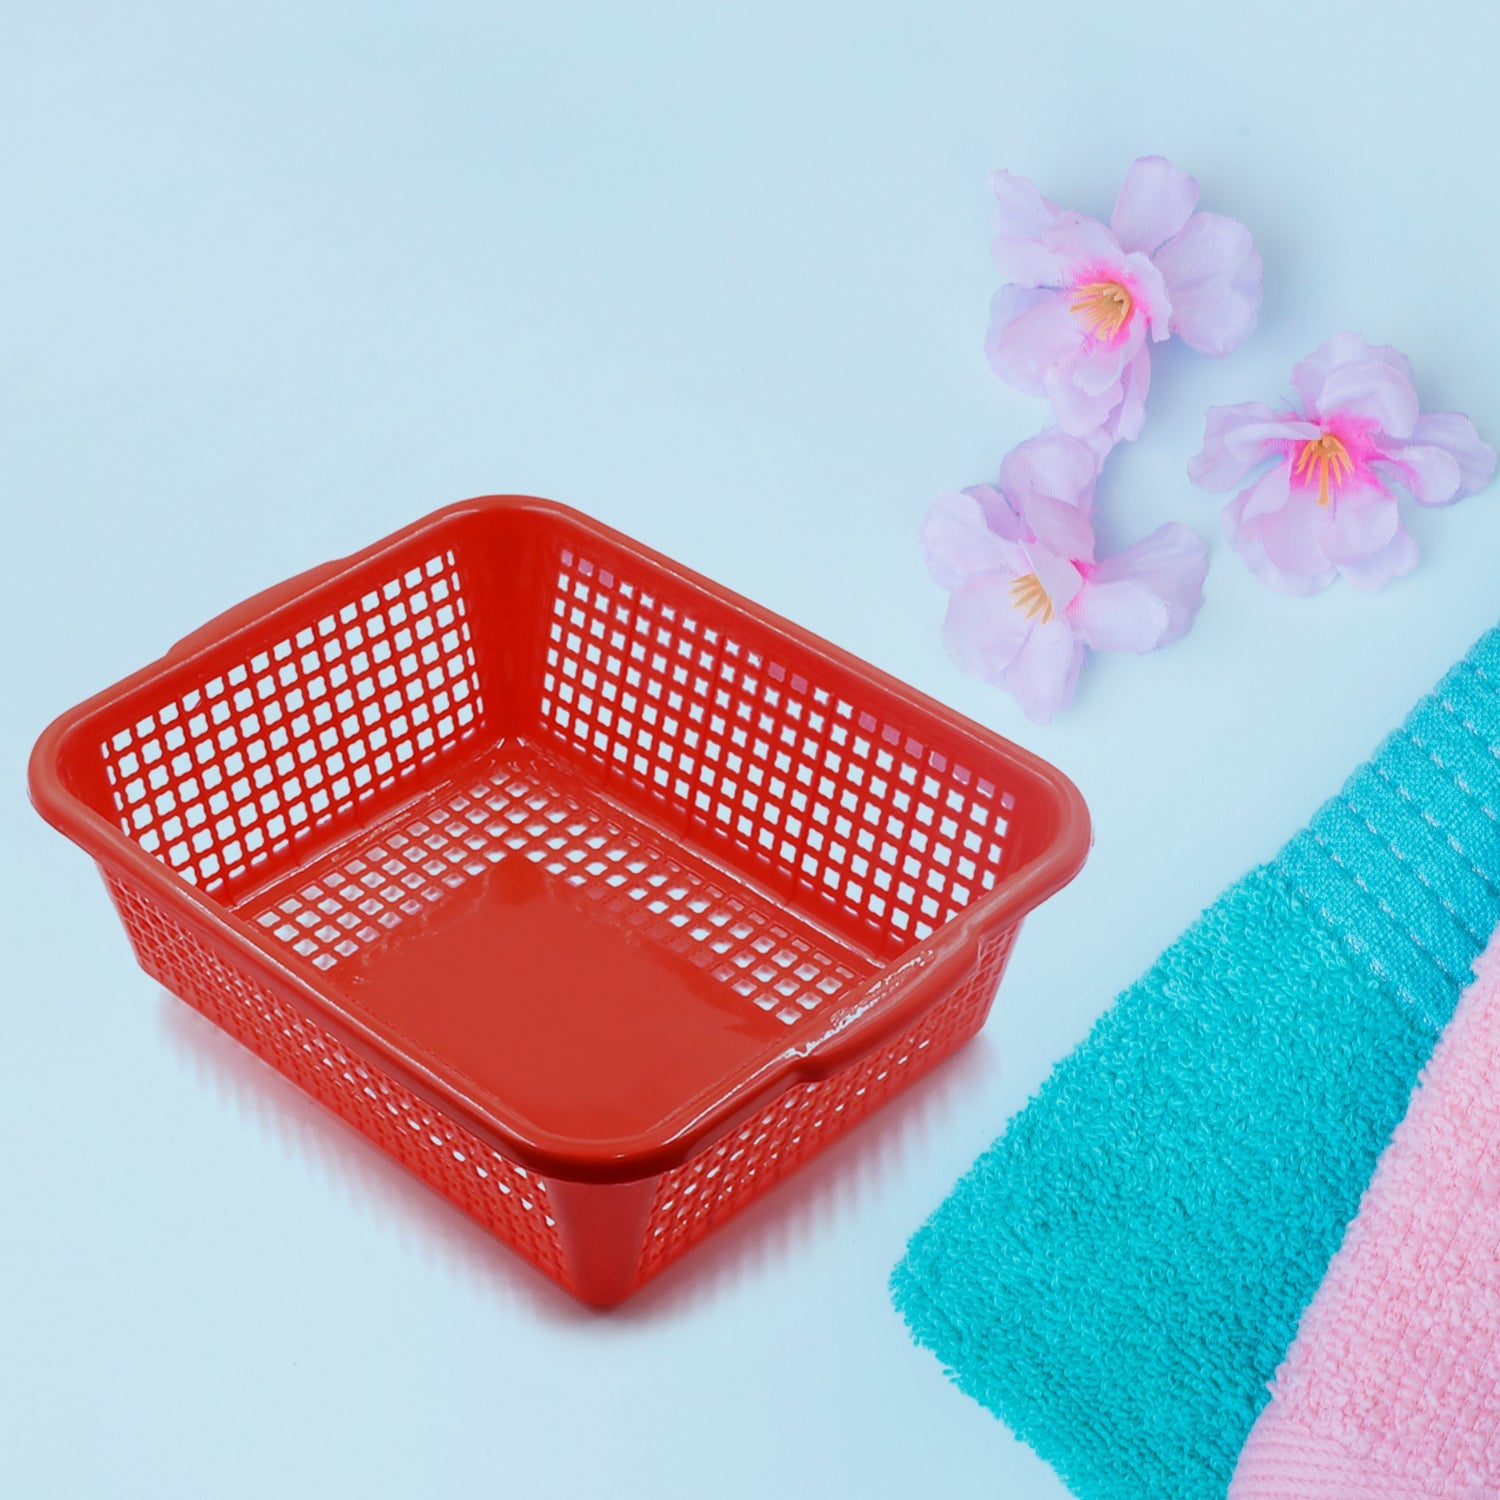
[[1059, 527], [1293, 534], [983, 630], [1237, 440], [1097, 368], [1076, 410], [1086, 389], [1364, 521], [1395, 560], [1374, 390], [1044, 675], [1101, 441], [1431, 474], [1054, 463], [1027, 263], [1340, 349], [999, 514], [1119, 616], [1021, 213], [1244, 520], [958, 545], [1450, 436], [1152, 296], [1171, 563], [1212, 274], [1155, 201], [1073, 245], [1057, 575], [1029, 333], [1130, 416]]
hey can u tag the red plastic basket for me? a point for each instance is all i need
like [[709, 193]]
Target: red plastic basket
[[591, 892]]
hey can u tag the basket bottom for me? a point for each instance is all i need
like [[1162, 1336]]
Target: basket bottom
[[586, 1237], [558, 954]]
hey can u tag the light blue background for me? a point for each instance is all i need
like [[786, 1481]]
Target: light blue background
[[276, 279]]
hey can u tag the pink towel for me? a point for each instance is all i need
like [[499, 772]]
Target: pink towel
[[1392, 1388]]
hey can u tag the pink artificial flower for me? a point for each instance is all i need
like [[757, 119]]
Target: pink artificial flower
[[1328, 506], [1027, 597], [1081, 299]]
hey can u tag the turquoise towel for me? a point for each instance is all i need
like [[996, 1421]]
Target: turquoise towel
[[1121, 1272]]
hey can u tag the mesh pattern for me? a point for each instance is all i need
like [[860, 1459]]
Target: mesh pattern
[[895, 832], [519, 811], [723, 1179], [502, 1196], [229, 773]]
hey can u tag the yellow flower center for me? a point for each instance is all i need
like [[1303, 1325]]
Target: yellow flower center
[[1326, 457], [1104, 308], [1028, 596]]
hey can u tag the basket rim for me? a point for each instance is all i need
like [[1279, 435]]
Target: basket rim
[[859, 1025]]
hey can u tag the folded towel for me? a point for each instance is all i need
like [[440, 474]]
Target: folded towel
[[1121, 1273], [1392, 1387]]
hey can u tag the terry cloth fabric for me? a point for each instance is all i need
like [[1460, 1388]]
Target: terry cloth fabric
[[1392, 1388], [1121, 1273]]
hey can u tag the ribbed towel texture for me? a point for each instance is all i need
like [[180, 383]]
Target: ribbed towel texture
[[1392, 1388], [1121, 1273]]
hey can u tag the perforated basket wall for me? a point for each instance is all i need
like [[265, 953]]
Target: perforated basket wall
[[221, 776], [504, 1198], [890, 830], [726, 1177], [500, 1195]]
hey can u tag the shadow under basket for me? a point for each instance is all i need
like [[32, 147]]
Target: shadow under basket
[[594, 894]]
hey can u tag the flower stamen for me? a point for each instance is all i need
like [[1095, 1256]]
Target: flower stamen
[[1104, 308], [1028, 596], [1329, 458]]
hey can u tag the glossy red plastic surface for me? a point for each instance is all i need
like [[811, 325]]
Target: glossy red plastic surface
[[593, 893]]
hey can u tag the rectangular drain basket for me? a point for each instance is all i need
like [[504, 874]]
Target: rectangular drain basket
[[591, 892]]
